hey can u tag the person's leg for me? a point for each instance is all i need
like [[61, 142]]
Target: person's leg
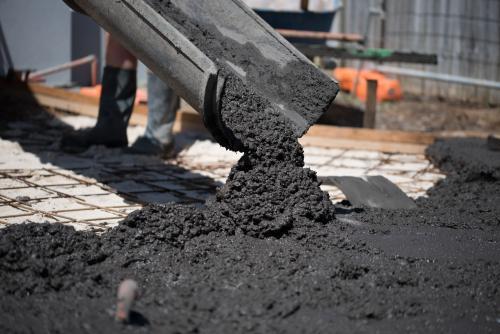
[[119, 84], [162, 106], [118, 56]]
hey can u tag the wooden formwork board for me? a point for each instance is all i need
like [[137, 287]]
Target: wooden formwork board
[[187, 119]]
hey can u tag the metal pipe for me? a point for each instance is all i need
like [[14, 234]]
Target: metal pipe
[[59, 68], [331, 36], [439, 77]]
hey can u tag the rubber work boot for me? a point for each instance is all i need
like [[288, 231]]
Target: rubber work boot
[[115, 107], [158, 139]]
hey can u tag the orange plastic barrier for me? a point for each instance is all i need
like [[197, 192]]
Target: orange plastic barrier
[[387, 89]]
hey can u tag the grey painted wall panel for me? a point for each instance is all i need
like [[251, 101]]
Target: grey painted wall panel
[[43, 33], [464, 33], [37, 34], [85, 39]]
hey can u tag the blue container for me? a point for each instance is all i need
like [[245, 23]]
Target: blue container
[[297, 20]]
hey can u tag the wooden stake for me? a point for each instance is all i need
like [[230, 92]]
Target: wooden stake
[[304, 5], [371, 105], [127, 293], [321, 35]]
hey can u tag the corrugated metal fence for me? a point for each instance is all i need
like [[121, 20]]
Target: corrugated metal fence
[[465, 34]]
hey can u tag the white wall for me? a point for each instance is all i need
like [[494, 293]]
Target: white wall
[[43, 33], [37, 33]]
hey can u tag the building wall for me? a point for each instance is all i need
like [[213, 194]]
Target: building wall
[[37, 34], [43, 33], [465, 34]]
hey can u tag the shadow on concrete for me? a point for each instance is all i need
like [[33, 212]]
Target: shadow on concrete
[[138, 178]]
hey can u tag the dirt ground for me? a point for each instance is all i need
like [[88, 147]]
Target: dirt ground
[[417, 114], [414, 114]]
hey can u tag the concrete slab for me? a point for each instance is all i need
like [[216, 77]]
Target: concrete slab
[[158, 197], [7, 182], [105, 200], [32, 218], [9, 211], [128, 186], [51, 180], [365, 155], [57, 204], [110, 179], [333, 152], [345, 162], [93, 215], [78, 190], [312, 160], [27, 193]]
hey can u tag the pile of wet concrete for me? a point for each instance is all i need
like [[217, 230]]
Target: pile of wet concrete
[[434, 268]]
